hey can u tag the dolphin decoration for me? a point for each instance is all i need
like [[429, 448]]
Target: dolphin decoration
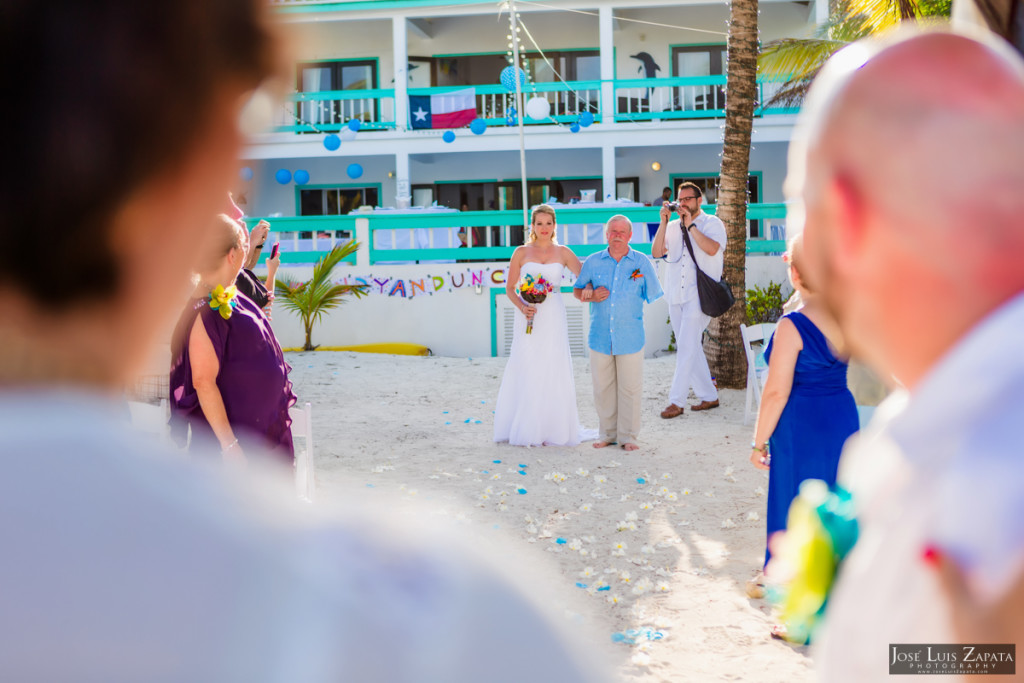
[[648, 67]]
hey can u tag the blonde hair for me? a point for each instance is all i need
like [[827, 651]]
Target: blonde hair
[[795, 259], [225, 234], [539, 209]]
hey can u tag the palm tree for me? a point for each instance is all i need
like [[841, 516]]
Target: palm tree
[[796, 61], [311, 299], [724, 347]]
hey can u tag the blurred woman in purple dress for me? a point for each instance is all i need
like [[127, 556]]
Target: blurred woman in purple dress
[[229, 379]]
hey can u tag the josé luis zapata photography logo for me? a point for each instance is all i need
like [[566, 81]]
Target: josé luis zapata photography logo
[[952, 659]]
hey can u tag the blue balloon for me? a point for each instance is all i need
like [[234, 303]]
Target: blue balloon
[[332, 142], [586, 118], [508, 78], [354, 171], [246, 173], [478, 126], [353, 125], [283, 176], [449, 136], [575, 128], [301, 177]]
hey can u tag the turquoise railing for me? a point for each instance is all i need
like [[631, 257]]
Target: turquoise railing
[[639, 99], [505, 221], [684, 97]]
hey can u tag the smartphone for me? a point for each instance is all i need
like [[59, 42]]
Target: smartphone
[[277, 248]]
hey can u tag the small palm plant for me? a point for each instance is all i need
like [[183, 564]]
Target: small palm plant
[[311, 299]]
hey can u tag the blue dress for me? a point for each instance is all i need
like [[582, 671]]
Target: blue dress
[[819, 417]]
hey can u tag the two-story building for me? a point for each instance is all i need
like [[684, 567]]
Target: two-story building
[[635, 93]]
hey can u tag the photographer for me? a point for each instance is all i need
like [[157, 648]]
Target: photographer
[[707, 235]]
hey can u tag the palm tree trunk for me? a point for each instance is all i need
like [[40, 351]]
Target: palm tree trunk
[[308, 322], [723, 345]]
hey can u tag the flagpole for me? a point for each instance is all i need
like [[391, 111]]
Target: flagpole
[[519, 112]]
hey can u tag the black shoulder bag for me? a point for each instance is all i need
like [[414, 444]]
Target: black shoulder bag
[[715, 295]]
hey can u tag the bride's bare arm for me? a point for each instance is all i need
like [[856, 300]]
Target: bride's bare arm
[[570, 261]]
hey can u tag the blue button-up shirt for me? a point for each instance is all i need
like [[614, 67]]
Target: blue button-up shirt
[[617, 323]]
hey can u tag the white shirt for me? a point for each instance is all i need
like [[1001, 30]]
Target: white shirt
[[941, 466], [122, 563], [680, 276]]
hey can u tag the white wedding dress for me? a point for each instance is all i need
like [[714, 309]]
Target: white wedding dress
[[537, 399]]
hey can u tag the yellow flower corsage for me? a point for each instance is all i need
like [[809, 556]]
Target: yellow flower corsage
[[820, 532], [223, 300]]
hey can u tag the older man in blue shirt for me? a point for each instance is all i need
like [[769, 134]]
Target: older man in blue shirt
[[617, 282]]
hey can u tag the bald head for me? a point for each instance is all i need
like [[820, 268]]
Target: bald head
[[907, 159], [930, 128]]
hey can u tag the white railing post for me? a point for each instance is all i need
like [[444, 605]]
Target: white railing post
[[605, 19], [399, 37], [363, 237]]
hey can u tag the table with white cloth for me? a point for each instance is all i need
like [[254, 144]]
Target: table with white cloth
[[593, 233]]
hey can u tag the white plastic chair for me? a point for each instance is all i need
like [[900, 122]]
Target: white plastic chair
[[151, 419], [757, 373], [305, 470]]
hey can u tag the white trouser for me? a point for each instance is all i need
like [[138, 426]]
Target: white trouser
[[618, 392], [689, 323]]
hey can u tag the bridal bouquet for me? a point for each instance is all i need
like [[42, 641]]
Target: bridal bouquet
[[533, 290]]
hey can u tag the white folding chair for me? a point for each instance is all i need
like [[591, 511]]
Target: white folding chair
[[305, 471], [757, 373], [151, 419]]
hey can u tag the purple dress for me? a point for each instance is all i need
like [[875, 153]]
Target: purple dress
[[253, 380]]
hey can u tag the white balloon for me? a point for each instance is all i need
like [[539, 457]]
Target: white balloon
[[538, 108], [347, 134]]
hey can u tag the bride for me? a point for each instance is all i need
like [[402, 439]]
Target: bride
[[537, 399]]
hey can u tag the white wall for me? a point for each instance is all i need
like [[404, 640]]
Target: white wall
[[451, 321], [265, 196], [349, 38]]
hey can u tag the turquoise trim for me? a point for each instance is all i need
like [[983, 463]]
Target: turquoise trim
[[300, 7]]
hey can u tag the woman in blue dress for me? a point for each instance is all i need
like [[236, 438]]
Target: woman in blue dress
[[807, 412]]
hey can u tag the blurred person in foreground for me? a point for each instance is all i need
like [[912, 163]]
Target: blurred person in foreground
[[229, 379], [122, 563], [906, 172]]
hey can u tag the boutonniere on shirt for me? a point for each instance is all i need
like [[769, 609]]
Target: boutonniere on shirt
[[223, 300], [636, 275]]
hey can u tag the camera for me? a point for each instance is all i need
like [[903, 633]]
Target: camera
[[673, 207]]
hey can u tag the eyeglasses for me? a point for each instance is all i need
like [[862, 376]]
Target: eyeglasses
[[684, 199]]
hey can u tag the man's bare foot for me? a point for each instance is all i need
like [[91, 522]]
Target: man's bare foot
[[602, 444], [630, 447]]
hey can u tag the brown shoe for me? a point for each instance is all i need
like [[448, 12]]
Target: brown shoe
[[672, 411], [705, 405]]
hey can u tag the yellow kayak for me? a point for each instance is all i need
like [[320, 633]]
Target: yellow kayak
[[393, 348]]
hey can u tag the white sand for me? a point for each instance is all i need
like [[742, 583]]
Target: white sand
[[398, 424]]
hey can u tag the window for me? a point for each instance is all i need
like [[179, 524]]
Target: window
[[709, 185], [700, 60], [333, 76], [334, 201]]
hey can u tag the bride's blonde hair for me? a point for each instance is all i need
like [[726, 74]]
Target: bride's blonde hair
[[542, 208]]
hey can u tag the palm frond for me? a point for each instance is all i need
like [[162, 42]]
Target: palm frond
[[311, 299], [795, 59]]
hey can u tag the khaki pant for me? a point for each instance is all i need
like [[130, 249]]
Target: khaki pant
[[618, 388]]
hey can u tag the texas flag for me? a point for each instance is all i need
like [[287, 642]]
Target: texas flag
[[451, 110]]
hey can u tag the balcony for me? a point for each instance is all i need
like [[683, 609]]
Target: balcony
[[636, 100], [425, 237]]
